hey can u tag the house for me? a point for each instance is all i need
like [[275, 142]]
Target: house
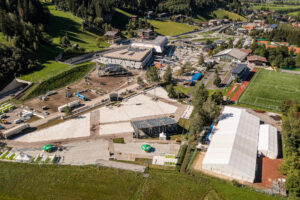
[[270, 28], [240, 71], [231, 55], [162, 15], [113, 36], [257, 60], [147, 34]]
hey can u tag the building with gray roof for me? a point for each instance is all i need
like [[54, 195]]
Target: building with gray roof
[[231, 55]]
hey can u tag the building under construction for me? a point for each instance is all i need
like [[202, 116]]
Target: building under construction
[[113, 70], [153, 127]]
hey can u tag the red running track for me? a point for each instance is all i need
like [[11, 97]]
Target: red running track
[[231, 90], [243, 86], [239, 91]]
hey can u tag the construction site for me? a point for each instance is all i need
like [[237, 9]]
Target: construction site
[[92, 86]]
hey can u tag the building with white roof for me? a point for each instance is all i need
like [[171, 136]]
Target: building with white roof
[[268, 141], [127, 57], [233, 148], [158, 44]]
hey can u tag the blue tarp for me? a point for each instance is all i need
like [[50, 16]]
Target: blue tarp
[[196, 77], [208, 134]]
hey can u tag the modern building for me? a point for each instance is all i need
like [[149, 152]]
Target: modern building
[[153, 127], [233, 148], [268, 141], [240, 71], [158, 44], [231, 55], [136, 58], [147, 34]]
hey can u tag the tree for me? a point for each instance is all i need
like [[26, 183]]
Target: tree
[[168, 75], [200, 94], [217, 80], [68, 111], [217, 97], [297, 60], [171, 91], [201, 60], [152, 75], [140, 80]]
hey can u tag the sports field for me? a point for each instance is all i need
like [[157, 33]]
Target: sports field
[[268, 89]]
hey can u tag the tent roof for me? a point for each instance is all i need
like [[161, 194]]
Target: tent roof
[[268, 138], [234, 142]]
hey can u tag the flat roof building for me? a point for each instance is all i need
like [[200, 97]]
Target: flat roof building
[[233, 149], [153, 127], [158, 44], [129, 58]]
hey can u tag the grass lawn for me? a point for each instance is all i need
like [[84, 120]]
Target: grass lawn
[[268, 89], [183, 89], [293, 13], [65, 22], [50, 69], [170, 28], [274, 8], [29, 181], [205, 39], [220, 13]]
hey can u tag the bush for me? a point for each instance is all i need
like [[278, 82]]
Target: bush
[[181, 156], [119, 140], [235, 183]]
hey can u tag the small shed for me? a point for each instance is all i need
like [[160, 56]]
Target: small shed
[[113, 97]]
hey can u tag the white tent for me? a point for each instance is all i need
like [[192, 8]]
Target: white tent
[[23, 158], [233, 148], [268, 141], [162, 136]]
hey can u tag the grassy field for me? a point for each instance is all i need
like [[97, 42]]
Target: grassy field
[[275, 7], [24, 181], [268, 89], [170, 28], [183, 89], [220, 13], [293, 13], [65, 22], [206, 39]]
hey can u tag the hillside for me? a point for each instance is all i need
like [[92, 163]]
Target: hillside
[[220, 14], [61, 23]]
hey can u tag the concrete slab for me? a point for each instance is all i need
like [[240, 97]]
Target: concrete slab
[[136, 107], [117, 128], [74, 128]]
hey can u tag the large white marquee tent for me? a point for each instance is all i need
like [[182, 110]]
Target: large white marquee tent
[[233, 149]]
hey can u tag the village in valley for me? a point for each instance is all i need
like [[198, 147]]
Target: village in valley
[[213, 99]]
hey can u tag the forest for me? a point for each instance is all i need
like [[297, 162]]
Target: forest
[[100, 11], [291, 154], [21, 26]]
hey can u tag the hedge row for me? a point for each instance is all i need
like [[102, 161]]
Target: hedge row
[[61, 79]]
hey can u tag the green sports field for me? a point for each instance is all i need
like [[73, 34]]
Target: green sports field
[[268, 89]]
